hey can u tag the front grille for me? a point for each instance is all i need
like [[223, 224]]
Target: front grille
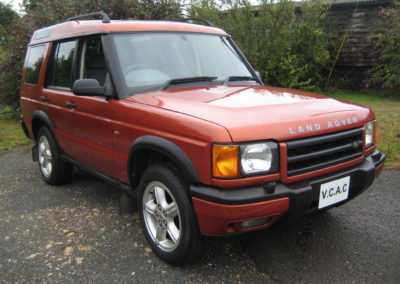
[[318, 152]]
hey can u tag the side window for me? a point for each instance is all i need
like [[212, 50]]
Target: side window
[[35, 58], [92, 61], [61, 71]]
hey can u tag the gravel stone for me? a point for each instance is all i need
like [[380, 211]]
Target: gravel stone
[[74, 233]]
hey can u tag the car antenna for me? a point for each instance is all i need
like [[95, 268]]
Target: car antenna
[[104, 17]]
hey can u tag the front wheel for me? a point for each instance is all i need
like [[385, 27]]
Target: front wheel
[[167, 215]]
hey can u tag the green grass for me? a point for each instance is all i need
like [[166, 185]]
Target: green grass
[[387, 110], [11, 133]]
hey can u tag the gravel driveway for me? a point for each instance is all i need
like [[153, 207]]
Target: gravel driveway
[[74, 233]]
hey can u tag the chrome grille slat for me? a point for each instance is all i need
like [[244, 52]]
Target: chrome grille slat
[[334, 150], [314, 153]]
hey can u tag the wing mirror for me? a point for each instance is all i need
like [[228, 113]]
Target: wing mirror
[[88, 87]]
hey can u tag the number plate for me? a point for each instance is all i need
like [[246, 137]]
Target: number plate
[[333, 192]]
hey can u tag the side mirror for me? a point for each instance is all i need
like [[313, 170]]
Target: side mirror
[[88, 87]]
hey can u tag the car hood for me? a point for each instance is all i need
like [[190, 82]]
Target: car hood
[[253, 113]]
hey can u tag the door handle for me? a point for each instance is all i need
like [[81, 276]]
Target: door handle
[[44, 99], [70, 105]]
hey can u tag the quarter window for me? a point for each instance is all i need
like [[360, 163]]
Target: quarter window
[[34, 63]]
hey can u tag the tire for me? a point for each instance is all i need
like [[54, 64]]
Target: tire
[[53, 169], [167, 215]]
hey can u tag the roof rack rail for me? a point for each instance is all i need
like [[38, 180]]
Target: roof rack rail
[[207, 23], [104, 17]]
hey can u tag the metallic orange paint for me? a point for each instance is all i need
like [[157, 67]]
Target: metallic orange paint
[[81, 28], [218, 219], [99, 133]]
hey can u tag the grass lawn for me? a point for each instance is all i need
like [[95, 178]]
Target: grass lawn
[[387, 111], [11, 134]]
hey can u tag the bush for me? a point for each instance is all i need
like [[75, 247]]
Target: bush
[[386, 38], [43, 13], [286, 41]]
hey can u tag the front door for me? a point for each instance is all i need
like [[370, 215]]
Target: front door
[[82, 124]]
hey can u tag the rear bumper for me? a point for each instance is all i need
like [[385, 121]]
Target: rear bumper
[[223, 211]]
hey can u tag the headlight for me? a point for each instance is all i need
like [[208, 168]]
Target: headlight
[[259, 158], [370, 133], [231, 161]]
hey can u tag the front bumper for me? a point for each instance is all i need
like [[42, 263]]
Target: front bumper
[[226, 211]]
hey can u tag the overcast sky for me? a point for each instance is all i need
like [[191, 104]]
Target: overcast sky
[[14, 3]]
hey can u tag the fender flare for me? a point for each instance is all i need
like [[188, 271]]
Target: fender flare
[[167, 148], [44, 119]]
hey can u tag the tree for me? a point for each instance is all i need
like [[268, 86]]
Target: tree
[[287, 42], [386, 37], [41, 13], [7, 15]]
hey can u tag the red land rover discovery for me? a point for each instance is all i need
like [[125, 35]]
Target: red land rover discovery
[[173, 114]]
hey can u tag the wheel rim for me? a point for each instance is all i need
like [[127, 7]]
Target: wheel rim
[[161, 216], [45, 156]]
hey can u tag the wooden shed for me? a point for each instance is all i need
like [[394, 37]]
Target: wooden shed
[[355, 19]]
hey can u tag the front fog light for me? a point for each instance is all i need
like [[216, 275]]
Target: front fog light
[[254, 223], [258, 158], [369, 133]]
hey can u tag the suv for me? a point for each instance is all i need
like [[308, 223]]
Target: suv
[[174, 115]]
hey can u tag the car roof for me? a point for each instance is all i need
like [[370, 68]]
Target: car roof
[[81, 28]]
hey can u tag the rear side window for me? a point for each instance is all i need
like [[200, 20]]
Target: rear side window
[[61, 74], [35, 58]]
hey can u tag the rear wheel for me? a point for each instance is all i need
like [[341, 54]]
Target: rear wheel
[[167, 215], [54, 171]]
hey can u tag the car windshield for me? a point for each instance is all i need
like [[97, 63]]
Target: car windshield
[[158, 60]]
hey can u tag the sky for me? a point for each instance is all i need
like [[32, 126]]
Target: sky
[[15, 4]]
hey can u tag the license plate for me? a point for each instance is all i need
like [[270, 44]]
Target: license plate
[[333, 192]]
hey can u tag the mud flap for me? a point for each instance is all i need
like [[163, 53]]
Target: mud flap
[[34, 153], [127, 203]]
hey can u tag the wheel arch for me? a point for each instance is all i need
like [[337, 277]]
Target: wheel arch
[[149, 146], [39, 119]]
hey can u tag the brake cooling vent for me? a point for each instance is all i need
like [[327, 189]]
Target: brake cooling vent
[[318, 152]]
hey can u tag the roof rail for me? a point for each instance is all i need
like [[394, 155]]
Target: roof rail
[[104, 17], [207, 23]]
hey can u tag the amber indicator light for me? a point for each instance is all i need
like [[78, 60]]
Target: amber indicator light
[[225, 161]]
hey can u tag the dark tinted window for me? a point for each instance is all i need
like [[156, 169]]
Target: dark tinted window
[[35, 58], [93, 63], [62, 64]]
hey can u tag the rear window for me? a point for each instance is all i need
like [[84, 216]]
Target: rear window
[[35, 58]]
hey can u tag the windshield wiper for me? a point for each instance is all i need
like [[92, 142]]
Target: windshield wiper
[[238, 78], [187, 80]]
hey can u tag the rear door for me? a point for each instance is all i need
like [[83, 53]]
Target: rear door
[[82, 124]]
